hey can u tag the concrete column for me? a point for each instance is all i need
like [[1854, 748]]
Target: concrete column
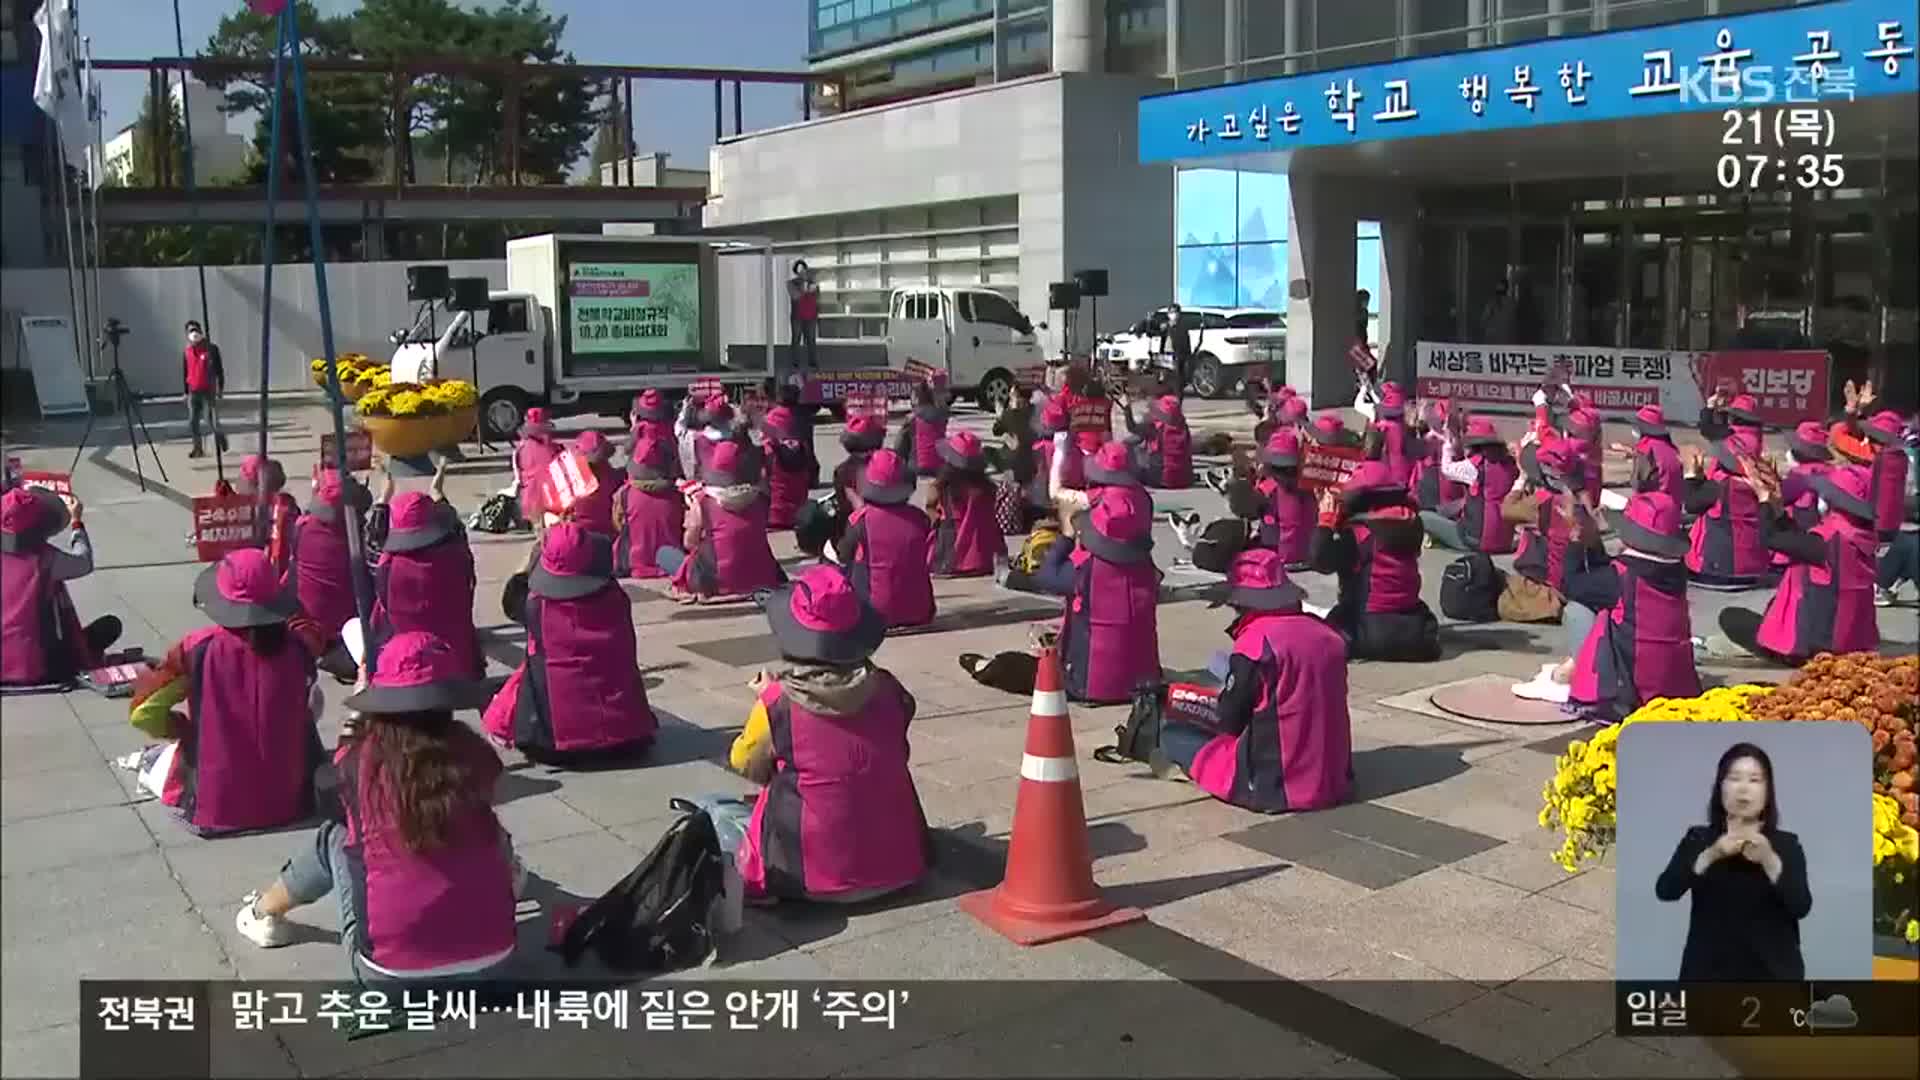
[[1476, 23], [1320, 262], [1173, 40], [1557, 24], [999, 40], [1399, 298], [1292, 42], [1403, 28], [1233, 49], [1079, 35]]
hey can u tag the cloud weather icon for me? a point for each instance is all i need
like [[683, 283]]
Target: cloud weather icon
[[1833, 1014]]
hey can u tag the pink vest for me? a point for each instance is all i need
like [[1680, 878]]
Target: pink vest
[[1801, 501], [530, 461], [1430, 487], [1640, 649], [595, 512], [430, 589], [734, 558], [1170, 451], [323, 572], [41, 639], [247, 758], [929, 428], [446, 906], [786, 488], [1391, 579], [1663, 465], [649, 521], [969, 535], [1481, 525], [1291, 517], [1889, 490], [1297, 750], [581, 691], [1725, 541], [887, 562], [841, 813], [1543, 546], [1110, 637], [1826, 607]]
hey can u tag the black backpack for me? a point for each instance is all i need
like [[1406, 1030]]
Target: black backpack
[[1470, 589], [657, 917], [1139, 736]]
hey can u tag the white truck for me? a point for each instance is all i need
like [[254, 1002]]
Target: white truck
[[586, 321]]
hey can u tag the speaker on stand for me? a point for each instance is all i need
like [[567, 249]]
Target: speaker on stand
[[1093, 286], [469, 294], [1064, 297]]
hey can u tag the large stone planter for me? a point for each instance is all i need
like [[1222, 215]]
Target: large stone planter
[[414, 436]]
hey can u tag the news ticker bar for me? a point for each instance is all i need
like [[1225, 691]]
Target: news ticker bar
[[1824, 1009]]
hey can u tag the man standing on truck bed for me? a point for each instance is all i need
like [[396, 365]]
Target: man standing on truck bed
[[803, 299]]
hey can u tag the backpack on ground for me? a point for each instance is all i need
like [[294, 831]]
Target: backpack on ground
[[1033, 553], [1470, 589], [1138, 736], [658, 917], [499, 514]]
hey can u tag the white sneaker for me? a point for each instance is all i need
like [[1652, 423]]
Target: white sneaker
[[130, 762], [266, 931], [1543, 688], [1315, 610], [1884, 597], [1179, 527]]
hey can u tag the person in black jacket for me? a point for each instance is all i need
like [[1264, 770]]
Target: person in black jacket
[[1748, 878]]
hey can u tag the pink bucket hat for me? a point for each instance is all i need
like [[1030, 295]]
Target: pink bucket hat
[[328, 489], [1744, 410], [647, 461], [1481, 432], [962, 450], [28, 517], [778, 421], [716, 411], [863, 433], [1119, 525], [1809, 442], [652, 405], [726, 466], [1848, 489], [1371, 476], [1166, 409], [1550, 464], [1112, 464], [1738, 443], [1328, 429], [886, 481], [1257, 581], [417, 671], [1884, 428], [263, 473], [1651, 523], [536, 422], [592, 446], [243, 589], [1650, 421], [416, 521], [1583, 423], [1293, 409], [819, 618], [574, 562], [1282, 450]]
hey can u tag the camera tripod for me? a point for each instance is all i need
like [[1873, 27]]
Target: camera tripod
[[128, 404]]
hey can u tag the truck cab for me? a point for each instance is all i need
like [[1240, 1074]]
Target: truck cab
[[503, 350], [977, 336]]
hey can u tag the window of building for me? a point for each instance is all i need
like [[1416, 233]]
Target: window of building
[[1231, 240]]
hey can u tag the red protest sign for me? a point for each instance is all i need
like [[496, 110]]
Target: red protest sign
[[57, 482], [359, 450], [221, 524], [1787, 386], [1033, 378], [926, 373], [866, 405], [568, 480], [1323, 467], [1094, 415]]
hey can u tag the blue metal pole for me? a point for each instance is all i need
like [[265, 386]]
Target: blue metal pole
[[267, 253], [362, 587]]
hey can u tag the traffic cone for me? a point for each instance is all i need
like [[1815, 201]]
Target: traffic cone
[[1048, 892]]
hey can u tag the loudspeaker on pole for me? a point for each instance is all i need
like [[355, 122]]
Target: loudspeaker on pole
[[426, 283]]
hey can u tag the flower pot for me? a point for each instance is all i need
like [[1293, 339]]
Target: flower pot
[[1835, 1056], [412, 436]]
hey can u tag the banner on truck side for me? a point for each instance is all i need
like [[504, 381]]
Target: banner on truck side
[[827, 387], [633, 307], [221, 524], [1791, 385]]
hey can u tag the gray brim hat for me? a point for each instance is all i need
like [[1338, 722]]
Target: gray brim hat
[[891, 495], [544, 582], [1641, 538], [1106, 547], [452, 695], [441, 527], [1841, 500], [53, 521], [1286, 597], [239, 616], [952, 457], [806, 645]]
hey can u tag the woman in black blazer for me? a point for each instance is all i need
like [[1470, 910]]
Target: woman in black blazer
[[1748, 878]]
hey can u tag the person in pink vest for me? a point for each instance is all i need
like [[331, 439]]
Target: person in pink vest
[[1281, 738], [885, 546], [1389, 439], [919, 439], [789, 464], [323, 564], [838, 819], [1111, 464], [726, 553], [1726, 549], [1109, 633], [42, 640], [275, 511], [417, 860], [1294, 413], [425, 579], [651, 512], [1583, 431], [1483, 465], [1825, 600], [1635, 634], [1887, 433], [703, 425], [967, 539], [1811, 456], [578, 697], [1166, 444], [1552, 513], [1431, 488], [1288, 523], [242, 756], [1656, 461], [651, 418], [1328, 429], [1369, 536], [531, 455], [1059, 463], [824, 522], [595, 510], [1269, 406]]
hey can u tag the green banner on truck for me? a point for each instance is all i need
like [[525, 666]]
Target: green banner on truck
[[630, 307]]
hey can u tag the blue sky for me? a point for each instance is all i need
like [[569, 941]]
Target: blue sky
[[678, 118]]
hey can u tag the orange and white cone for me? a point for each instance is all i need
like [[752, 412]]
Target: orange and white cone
[[1048, 892]]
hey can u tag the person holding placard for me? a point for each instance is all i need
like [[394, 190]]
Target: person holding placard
[[275, 511], [323, 565], [967, 540], [1369, 536], [726, 553], [531, 455], [42, 640], [789, 466], [595, 508]]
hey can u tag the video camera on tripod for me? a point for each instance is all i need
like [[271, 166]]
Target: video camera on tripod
[[110, 335], [127, 403]]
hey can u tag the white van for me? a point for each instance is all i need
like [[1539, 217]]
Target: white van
[[977, 336]]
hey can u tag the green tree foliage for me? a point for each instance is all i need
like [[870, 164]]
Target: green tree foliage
[[167, 245], [556, 116]]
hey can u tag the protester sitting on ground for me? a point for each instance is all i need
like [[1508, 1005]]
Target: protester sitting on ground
[[535, 451], [44, 640], [651, 418], [1089, 411], [725, 552], [578, 698], [967, 539], [651, 512], [1824, 602], [1727, 549], [820, 524], [838, 820], [1550, 510], [1432, 489], [1887, 432], [1281, 738], [1328, 429], [1015, 422], [594, 510], [323, 564], [1290, 516], [1059, 463], [1111, 464], [885, 546], [789, 467], [1166, 444], [425, 580], [803, 417], [1811, 456], [918, 442], [1656, 461], [1583, 431], [422, 870], [1109, 635], [703, 424], [275, 511], [1022, 571], [242, 756], [1488, 474], [1265, 401], [1369, 535], [1388, 439]]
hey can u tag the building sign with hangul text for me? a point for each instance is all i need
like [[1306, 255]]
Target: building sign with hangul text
[[1818, 54]]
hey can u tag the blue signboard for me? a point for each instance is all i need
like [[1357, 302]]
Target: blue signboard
[[1819, 54]]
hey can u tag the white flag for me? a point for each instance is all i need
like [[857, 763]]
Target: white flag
[[96, 121], [57, 85]]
